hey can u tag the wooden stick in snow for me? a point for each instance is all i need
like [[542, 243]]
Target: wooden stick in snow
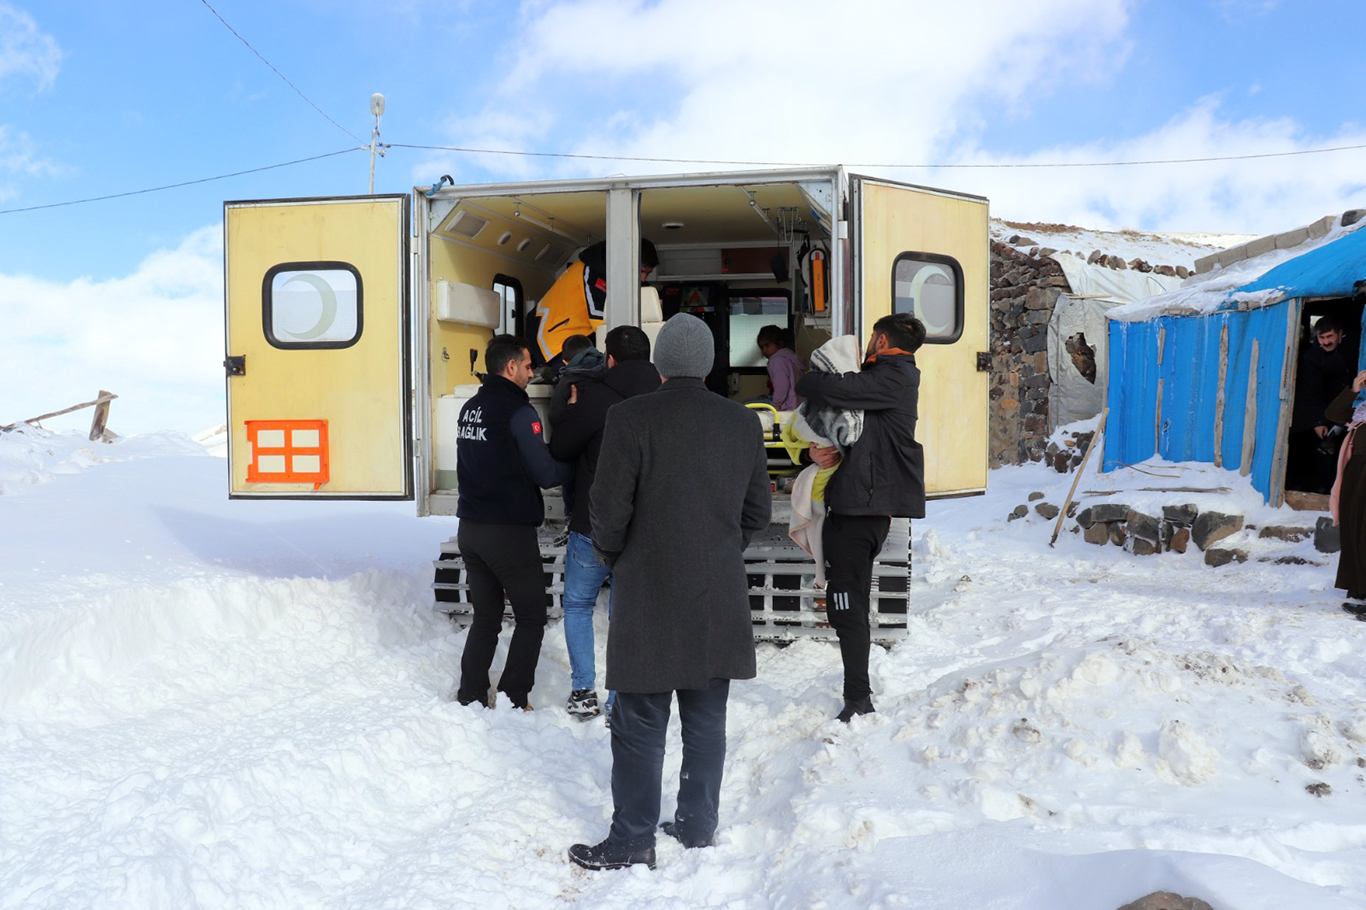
[[1086, 458], [104, 397]]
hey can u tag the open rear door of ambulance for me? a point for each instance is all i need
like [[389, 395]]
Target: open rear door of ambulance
[[318, 348], [925, 251]]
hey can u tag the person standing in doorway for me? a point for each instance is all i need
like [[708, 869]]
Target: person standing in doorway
[[502, 464], [882, 476], [681, 487]]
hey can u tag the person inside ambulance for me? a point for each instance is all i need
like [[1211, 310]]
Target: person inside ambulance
[[575, 303]]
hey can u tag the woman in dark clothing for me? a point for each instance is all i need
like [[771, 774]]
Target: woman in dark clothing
[[1348, 499]]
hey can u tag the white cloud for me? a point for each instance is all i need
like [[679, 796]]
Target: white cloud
[[882, 80], [17, 155], [887, 81], [1259, 195], [25, 51], [154, 338]]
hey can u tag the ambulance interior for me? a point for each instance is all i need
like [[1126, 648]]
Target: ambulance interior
[[740, 257]]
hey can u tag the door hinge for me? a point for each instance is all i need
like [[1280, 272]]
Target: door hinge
[[236, 366], [984, 361]]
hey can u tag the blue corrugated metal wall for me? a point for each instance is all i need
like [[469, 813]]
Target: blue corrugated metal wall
[[1189, 374]]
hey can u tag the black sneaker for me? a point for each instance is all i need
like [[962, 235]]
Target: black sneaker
[[583, 704], [671, 829], [607, 855], [854, 708]]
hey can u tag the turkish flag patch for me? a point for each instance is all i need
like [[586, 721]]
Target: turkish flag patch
[[536, 427]]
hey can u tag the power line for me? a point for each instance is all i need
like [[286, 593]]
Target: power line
[[1059, 164], [359, 141], [476, 151], [172, 186]]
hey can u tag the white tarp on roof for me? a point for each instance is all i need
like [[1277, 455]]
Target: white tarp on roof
[[1117, 285], [1096, 290]]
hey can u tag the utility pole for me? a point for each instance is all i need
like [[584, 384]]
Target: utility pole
[[376, 108]]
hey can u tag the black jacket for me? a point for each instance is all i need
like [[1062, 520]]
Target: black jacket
[[1322, 375], [501, 458], [578, 427], [883, 473]]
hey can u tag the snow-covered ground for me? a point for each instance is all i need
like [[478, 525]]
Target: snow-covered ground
[[207, 703]]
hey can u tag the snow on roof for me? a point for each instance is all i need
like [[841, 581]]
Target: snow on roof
[[1238, 286], [1157, 248]]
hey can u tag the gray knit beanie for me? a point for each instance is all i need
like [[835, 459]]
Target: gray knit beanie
[[684, 347]]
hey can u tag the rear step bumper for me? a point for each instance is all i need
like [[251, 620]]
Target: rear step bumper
[[784, 603]]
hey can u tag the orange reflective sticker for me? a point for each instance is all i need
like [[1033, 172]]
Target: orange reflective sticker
[[288, 451]]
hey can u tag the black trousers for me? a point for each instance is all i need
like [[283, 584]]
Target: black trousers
[[851, 543], [639, 723], [502, 559]]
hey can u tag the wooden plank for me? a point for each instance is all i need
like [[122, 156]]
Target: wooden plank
[[1062, 513], [101, 416], [1157, 406], [1219, 398], [105, 398], [1289, 371], [1250, 424]]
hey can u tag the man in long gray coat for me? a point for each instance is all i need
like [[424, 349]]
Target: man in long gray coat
[[682, 486]]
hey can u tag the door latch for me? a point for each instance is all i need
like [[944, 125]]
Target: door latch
[[236, 366]]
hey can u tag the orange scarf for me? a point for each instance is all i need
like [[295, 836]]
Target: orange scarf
[[886, 351]]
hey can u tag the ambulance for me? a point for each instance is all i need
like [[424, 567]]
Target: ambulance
[[356, 328]]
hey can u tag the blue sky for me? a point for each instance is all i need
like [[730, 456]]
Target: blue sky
[[114, 96]]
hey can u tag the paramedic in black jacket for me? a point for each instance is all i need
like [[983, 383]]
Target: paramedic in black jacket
[[882, 476], [578, 438], [502, 464]]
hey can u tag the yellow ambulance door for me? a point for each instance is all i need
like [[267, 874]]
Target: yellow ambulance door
[[318, 348], [925, 252]]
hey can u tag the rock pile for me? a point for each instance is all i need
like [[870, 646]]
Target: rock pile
[[1067, 455], [1181, 526]]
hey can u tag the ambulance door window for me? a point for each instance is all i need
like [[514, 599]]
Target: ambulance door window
[[312, 305], [514, 309], [931, 287]]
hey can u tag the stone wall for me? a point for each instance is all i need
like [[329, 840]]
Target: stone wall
[[1024, 289]]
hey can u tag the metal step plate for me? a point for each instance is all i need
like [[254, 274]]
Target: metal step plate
[[784, 603]]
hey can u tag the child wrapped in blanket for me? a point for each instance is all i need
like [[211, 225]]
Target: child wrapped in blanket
[[824, 426]]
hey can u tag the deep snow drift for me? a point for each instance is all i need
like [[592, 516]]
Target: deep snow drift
[[207, 703]]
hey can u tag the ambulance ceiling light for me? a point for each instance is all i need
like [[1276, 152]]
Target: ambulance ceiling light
[[467, 225], [550, 254]]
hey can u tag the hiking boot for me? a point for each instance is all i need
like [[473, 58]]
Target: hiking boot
[[583, 704], [671, 829], [467, 700], [607, 855], [854, 708]]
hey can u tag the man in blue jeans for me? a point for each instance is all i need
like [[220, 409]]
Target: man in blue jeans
[[684, 488], [577, 438]]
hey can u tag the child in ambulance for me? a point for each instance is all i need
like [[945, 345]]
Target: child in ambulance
[[784, 367]]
